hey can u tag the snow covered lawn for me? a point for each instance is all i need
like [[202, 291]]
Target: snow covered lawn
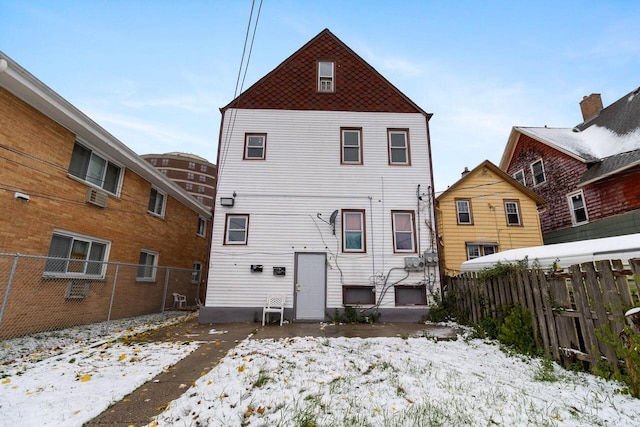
[[393, 382]]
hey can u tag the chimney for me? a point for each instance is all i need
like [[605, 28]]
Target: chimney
[[591, 106], [465, 172]]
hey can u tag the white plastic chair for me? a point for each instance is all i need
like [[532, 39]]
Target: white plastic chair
[[179, 301], [275, 304]]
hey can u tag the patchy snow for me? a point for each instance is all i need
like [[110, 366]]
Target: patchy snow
[[393, 382], [593, 143], [326, 381]]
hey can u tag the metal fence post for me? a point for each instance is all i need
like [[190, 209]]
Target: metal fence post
[[6, 294], [166, 286], [113, 294]]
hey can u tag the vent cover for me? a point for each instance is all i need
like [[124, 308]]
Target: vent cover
[[97, 197], [77, 289]]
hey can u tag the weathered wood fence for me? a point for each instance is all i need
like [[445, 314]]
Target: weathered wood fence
[[569, 309]]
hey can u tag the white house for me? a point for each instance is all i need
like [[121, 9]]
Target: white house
[[324, 194]]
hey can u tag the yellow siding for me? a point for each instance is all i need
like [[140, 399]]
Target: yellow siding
[[487, 193]]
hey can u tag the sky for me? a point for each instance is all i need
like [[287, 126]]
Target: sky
[[155, 73], [390, 381]]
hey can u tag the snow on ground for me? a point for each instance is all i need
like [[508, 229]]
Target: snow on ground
[[66, 378], [310, 381], [394, 382]]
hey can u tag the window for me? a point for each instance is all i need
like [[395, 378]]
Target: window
[[578, 208], [512, 211], [189, 186], [351, 146], [358, 295], [153, 161], [398, 147], [519, 176], [463, 211], [236, 229], [156, 202], [190, 176], [200, 188], [197, 272], [165, 162], [80, 255], [147, 266], [90, 167], [325, 76], [202, 226], [353, 232], [403, 235], [255, 146], [410, 295], [192, 165], [163, 172], [200, 199], [475, 250], [202, 178], [203, 168], [537, 170]]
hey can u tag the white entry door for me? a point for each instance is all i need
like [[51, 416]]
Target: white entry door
[[310, 286]]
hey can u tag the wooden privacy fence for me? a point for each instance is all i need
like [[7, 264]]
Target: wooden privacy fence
[[570, 310]]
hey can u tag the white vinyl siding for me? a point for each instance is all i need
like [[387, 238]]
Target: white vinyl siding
[[284, 198]]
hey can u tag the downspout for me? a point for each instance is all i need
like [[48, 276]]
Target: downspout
[[373, 245], [418, 198]]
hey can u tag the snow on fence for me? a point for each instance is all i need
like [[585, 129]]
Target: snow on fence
[[570, 310], [39, 294]]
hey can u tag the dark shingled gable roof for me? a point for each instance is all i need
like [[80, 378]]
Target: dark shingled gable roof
[[621, 117], [292, 85]]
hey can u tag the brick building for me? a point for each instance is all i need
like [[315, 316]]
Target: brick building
[[71, 191], [588, 175], [193, 173]]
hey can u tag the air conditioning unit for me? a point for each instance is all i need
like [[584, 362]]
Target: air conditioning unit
[[97, 197]]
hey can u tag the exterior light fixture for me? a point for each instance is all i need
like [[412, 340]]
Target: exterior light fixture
[[227, 201]]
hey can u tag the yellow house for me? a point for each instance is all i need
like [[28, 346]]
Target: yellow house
[[484, 212]]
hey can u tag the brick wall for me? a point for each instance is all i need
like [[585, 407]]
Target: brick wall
[[34, 158]]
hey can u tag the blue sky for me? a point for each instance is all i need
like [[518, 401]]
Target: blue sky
[[155, 73]]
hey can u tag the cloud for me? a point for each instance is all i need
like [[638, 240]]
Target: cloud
[[188, 103]]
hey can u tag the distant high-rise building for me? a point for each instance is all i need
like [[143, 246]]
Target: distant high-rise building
[[193, 173]]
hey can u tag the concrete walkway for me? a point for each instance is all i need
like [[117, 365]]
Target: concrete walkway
[[139, 407]]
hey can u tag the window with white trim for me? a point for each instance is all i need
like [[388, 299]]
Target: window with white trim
[[255, 146], [197, 272], [351, 153], [147, 266], [403, 224], [203, 168], [202, 226], [95, 169], [463, 211], [537, 171], [398, 140], [202, 178], [190, 176], [189, 186], [192, 165], [156, 202], [578, 208], [236, 229], [153, 161], [512, 212], [353, 231], [79, 256], [519, 176], [325, 76], [165, 162], [475, 250]]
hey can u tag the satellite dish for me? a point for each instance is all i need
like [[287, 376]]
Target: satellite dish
[[332, 218]]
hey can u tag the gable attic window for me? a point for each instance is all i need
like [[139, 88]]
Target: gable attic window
[[537, 170], [512, 211], [351, 153], [255, 146], [463, 211], [577, 208], [325, 76], [519, 176], [94, 169]]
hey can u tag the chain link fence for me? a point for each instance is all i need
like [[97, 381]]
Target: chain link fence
[[35, 297]]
